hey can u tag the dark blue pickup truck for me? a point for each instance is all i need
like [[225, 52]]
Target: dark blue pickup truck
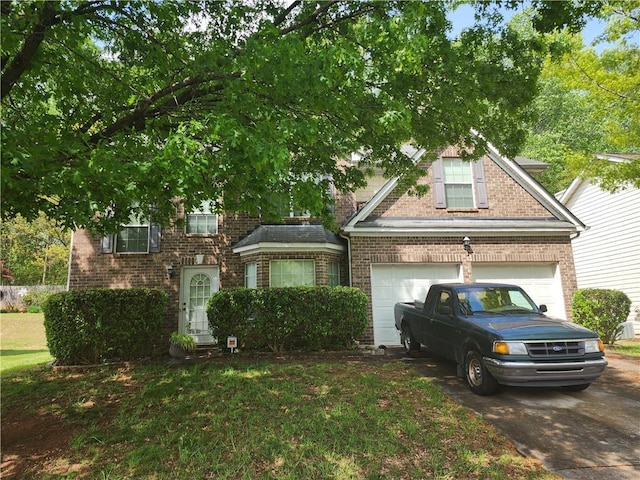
[[498, 336]]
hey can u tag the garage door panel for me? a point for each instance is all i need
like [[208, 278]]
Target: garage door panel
[[392, 283], [540, 281]]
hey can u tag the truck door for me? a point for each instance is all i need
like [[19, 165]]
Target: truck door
[[445, 328]]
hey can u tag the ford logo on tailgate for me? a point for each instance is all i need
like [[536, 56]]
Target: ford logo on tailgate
[[557, 348]]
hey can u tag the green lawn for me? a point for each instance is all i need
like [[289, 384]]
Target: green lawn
[[22, 341], [275, 419], [626, 347], [344, 417]]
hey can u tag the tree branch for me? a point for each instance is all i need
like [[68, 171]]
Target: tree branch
[[180, 94], [283, 16], [22, 60], [310, 19], [595, 82]]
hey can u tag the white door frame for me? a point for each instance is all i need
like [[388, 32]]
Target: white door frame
[[205, 278]]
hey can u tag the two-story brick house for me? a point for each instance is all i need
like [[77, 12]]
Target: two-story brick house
[[390, 245]]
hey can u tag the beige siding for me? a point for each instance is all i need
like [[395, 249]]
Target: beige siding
[[608, 254]]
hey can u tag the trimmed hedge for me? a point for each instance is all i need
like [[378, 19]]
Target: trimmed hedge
[[602, 311], [95, 325], [309, 318]]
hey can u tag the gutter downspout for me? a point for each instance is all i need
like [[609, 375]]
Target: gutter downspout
[[348, 239], [70, 260]]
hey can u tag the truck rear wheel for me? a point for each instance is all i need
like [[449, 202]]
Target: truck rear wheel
[[478, 377], [409, 343]]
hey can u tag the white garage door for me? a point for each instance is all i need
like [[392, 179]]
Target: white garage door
[[541, 281], [391, 283]]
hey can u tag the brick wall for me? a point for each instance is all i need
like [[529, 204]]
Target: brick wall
[[506, 199], [90, 268], [508, 250]]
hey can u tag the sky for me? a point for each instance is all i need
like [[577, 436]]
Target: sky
[[463, 18]]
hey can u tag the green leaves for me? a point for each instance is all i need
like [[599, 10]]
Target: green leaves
[[122, 103]]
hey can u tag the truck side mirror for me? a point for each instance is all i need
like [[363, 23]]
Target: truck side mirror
[[543, 308]]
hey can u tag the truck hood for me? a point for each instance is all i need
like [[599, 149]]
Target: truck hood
[[529, 327]]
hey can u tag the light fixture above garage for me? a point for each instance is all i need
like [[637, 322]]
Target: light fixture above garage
[[466, 244]]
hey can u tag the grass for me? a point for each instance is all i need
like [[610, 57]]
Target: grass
[[626, 347], [263, 420], [22, 341], [242, 418]]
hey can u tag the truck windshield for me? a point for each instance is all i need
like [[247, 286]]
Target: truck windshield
[[477, 300]]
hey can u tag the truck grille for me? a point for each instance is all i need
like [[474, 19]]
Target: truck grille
[[556, 349]]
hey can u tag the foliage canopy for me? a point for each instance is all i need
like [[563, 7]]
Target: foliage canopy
[[589, 104], [112, 107]]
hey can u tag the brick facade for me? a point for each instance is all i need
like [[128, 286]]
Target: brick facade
[[507, 198], [367, 251]]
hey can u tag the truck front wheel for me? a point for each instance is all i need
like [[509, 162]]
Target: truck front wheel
[[409, 343], [478, 377]]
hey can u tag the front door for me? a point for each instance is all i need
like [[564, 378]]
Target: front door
[[198, 283]]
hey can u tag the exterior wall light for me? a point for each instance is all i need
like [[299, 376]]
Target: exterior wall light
[[466, 244], [169, 271]]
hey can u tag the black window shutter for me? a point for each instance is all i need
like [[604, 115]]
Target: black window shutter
[[155, 235], [440, 200], [106, 244], [481, 185]]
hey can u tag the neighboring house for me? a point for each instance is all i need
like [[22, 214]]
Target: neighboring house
[[607, 254], [392, 246]]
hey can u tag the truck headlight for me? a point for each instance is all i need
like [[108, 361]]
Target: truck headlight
[[510, 348], [593, 346]]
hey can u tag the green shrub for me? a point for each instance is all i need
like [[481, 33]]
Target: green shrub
[[307, 318], [602, 311], [36, 298], [96, 325]]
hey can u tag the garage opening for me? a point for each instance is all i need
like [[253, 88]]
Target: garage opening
[[402, 282]]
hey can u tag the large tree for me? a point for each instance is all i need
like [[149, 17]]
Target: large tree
[[109, 106], [590, 103], [36, 252]]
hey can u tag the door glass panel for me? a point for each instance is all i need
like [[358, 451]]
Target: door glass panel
[[199, 293]]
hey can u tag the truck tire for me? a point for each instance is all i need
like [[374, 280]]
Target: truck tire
[[478, 377], [409, 343]]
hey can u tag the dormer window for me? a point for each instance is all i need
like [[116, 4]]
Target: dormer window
[[459, 184]]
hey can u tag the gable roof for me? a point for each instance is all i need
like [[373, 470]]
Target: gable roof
[[560, 221], [275, 238]]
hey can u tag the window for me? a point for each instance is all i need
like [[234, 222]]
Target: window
[[201, 221], [140, 235], [443, 306], [134, 237], [292, 273], [458, 183], [251, 275], [334, 274], [283, 204]]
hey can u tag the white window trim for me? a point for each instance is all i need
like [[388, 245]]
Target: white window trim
[[470, 183], [255, 274], [204, 209]]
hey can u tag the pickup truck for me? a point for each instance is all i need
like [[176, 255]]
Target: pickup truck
[[498, 336]]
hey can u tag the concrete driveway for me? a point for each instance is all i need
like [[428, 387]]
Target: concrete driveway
[[593, 434]]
